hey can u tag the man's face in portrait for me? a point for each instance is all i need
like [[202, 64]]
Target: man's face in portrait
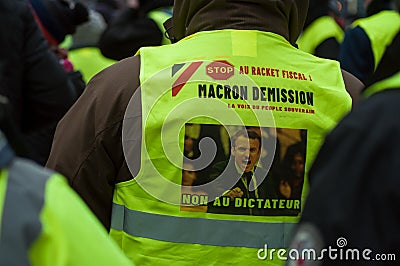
[[246, 152]]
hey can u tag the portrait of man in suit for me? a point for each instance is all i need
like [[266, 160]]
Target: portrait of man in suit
[[254, 178], [253, 184]]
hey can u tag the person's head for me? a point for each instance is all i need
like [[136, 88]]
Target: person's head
[[246, 149], [88, 34], [188, 174], [188, 144], [135, 4], [58, 18], [255, 129], [294, 160], [374, 6], [297, 165], [283, 17], [285, 189], [319, 8]]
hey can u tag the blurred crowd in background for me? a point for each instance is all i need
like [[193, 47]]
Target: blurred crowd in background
[[89, 35]]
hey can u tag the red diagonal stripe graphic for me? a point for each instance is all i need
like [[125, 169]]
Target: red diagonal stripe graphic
[[184, 77]]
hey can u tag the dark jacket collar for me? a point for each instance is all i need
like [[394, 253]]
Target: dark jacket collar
[[284, 17]]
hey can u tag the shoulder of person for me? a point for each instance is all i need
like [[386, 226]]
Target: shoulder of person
[[125, 70], [122, 77], [353, 85]]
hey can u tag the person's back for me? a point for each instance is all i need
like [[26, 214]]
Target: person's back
[[221, 70], [31, 77], [322, 33], [44, 222], [138, 25], [359, 159], [367, 38]]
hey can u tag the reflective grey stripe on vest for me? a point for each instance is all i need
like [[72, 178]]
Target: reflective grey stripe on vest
[[199, 230], [23, 202]]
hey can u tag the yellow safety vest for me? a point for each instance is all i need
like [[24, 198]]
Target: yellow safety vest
[[160, 15], [229, 78], [380, 28], [390, 83], [89, 61], [318, 31], [43, 222]]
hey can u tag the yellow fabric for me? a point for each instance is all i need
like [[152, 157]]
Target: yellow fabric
[[152, 252], [162, 146], [250, 38], [89, 61], [392, 82], [381, 28], [67, 43], [71, 235], [160, 16], [318, 31], [3, 186]]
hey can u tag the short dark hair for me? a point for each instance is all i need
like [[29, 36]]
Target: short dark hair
[[247, 134]]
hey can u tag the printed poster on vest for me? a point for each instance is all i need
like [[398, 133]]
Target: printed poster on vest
[[229, 144]]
